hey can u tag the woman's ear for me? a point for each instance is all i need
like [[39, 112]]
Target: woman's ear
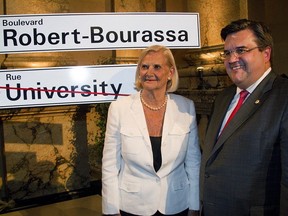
[[171, 72]]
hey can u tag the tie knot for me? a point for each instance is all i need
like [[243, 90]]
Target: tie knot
[[243, 94]]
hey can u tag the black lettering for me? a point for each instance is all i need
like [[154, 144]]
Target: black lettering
[[36, 35], [148, 37], [64, 34], [171, 36], [7, 37], [13, 77], [8, 77], [49, 93], [25, 93], [25, 39], [53, 38], [103, 85], [73, 88], [95, 88], [85, 88], [97, 34], [116, 91], [18, 92], [159, 36], [76, 33], [39, 91], [59, 92], [128, 39], [114, 34], [135, 33], [183, 35]]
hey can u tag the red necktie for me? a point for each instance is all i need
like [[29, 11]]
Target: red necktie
[[243, 95]]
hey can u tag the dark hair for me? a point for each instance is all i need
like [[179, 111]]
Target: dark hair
[[261, 31]]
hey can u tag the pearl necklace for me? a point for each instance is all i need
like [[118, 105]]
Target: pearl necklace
[[150, 107]]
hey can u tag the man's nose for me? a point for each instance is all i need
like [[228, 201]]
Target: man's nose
[[233, 57]]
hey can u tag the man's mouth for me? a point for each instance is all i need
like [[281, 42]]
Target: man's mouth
[[236, 66]]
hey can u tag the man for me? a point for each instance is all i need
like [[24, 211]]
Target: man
[[244, 169]]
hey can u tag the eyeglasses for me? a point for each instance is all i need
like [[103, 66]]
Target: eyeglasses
[[237, 52]]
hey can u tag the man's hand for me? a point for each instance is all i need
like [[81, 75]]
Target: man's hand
[[193, 213]]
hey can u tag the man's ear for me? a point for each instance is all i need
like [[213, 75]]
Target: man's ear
[[267, 54]]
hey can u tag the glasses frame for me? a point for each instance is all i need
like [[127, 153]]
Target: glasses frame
[[239, 51]]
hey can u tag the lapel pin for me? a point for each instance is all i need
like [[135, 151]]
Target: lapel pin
[[257, 101]]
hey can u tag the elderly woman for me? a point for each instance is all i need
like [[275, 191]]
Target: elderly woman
[[151, 155]]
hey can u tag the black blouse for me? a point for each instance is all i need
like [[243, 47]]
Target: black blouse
[[156, 149]]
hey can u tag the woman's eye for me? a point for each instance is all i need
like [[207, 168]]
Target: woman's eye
[[157, 67], [144, 67]]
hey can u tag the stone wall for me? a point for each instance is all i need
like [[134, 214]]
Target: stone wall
[[47, 150]]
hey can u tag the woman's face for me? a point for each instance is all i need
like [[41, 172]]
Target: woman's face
[[154, 71]]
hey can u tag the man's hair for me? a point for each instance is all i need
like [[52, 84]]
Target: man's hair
[[261, 31]]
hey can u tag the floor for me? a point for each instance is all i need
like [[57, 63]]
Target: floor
[[86, 206]]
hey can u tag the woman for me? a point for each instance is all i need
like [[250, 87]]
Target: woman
[[151, 155]]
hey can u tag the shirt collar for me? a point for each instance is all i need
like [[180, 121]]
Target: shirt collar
[[251, 88]]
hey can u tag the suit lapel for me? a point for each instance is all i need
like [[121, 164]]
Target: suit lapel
[[169, 119], [139, 117], [216, 120], [138, 113], [251, 105]]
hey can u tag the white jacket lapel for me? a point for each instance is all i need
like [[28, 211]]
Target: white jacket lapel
[[140, 122], [169, 118]]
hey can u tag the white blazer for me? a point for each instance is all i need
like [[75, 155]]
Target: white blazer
[[129, 181]]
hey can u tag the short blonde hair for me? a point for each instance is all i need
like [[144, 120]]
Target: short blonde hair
[[172, 84]]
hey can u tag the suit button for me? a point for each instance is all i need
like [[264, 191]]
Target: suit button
[[207, 175]]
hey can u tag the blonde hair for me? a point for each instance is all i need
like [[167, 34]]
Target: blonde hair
[[172, 84]]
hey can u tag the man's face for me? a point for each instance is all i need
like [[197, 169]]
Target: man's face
[[249, 64]]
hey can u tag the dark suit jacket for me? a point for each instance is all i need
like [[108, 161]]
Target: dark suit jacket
[[245, 171]]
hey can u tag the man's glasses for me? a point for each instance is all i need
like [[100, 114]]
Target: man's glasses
[[237, 52]]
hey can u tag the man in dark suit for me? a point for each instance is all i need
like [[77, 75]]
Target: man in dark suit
[[244, 169]]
